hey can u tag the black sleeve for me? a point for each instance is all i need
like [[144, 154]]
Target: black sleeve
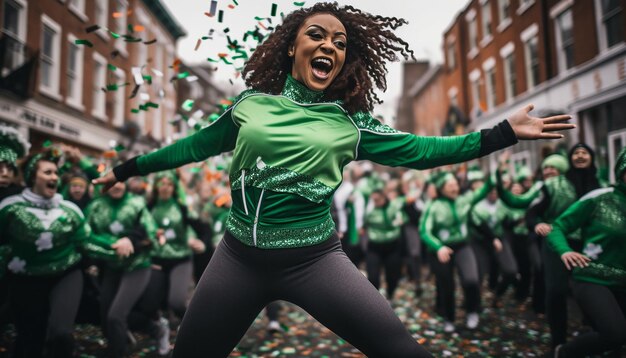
[[496, 138], [126, 170], [536, 210]]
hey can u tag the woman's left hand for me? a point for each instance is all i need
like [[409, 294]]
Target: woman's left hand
[[528, 127]]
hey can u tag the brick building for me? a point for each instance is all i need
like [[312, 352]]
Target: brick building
[[51, 87], [564, 56]]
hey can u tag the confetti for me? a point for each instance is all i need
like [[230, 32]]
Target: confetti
[[220, 16], [139, 28], [111, 67], [153, 41], [274, 8], [298, 3], [136, 71], [197, 45], [213, 7], [92, 28], [187, 105], [84, 42]]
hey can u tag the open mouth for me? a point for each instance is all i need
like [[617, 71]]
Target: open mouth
[[321, 67], [52, 185]]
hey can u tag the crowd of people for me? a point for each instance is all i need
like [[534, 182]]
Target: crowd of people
[[299, 208]]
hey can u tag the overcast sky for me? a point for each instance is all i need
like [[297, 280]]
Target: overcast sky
[[427, 21]]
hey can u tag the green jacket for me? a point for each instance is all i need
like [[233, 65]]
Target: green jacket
[[485, 220], [40, 236], [601, 216], [444, 221], [289, 153], [384, 224], [169, 217], [111, 220]]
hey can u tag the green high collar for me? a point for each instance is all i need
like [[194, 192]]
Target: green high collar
[[298, 92]]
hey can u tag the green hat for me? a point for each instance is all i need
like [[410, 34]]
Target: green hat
[[556, 161], [523, 173], [475, 175], [441, 178], [12, 145], [620, 165], [173, 176]]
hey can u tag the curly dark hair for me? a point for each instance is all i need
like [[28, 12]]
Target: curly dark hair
[[371, 42], [30, 164]]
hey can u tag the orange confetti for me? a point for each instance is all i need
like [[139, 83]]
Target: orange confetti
[[139, 28], [222, 54], [198, 45], [231, 6], [109, 154], [263, 26], [208, 14], [101, 168], [226, 102], [117, 15], [421, 340]]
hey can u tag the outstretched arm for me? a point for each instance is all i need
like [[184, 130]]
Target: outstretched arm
[[384, 145]]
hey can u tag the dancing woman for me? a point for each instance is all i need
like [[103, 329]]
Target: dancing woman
[[305, 117]]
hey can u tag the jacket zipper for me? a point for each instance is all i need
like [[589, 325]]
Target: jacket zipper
[[243, 193], [256, 218]]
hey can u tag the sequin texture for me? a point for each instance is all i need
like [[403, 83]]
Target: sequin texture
[[365, 121], [283, 180], [280, 238]]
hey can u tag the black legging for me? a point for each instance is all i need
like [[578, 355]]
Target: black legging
[[44, 309], [464, 260], [120, 292], [272, 311], [411, 251], [240, 280], [387, 255], [486, 253], [606, 308]]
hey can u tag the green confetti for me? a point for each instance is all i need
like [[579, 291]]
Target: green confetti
[[148, 78], [182, 75], [115, 35], [258, 18], [298, 3], [119, 148], [227, 30], [84, 42], [47, 143], [112, 87], [152, 104], [220, 16], [274, 8], [187, 105], [212, 60], [111, 67], [236, 3], [134, 110], [130, 28]]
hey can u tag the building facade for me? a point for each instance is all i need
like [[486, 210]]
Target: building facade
[[564, 56], [55, 87]]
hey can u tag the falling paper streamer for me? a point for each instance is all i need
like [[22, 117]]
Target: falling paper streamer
[[92, 28], [274, 8], [192, 78], [84, 42], [157, 72], [153, 41], [220, 16], [213, 7], [136, 71], [197, 45]]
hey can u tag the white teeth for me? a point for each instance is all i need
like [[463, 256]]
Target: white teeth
[[324, 61]]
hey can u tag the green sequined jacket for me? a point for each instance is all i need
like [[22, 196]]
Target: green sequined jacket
[[383, 224], [289, 153], [485, 220], [40, 236], [169, 217], [601, 216], [111, 220], [444, 221]]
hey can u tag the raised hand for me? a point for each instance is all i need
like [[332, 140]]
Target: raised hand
[[107, 181], [527, 127]]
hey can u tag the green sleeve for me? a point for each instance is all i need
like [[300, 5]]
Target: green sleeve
[[409, 150], [426, 230], [98, 245], [147, 221], [219, 137], [575, 217], [522, 201], [88, 168]]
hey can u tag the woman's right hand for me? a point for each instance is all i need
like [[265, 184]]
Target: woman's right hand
[[107, 181], [574, 259], [123, 247], [444, 253]]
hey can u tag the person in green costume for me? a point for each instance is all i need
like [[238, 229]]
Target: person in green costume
[[599, 269], [41, 237], [443, 227], [123, 238], [306, 115]]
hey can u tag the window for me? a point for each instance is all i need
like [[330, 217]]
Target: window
[[489, 67], [98, 95], [120, 99], [565, 40], [486, 20], [612, 23], [472, 28], [504, 14], [74, 72], [14, 31], [532, 61], [120, 15], [50, 57], [510, 80], [78, 8], [101, 16], [451, 56]]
